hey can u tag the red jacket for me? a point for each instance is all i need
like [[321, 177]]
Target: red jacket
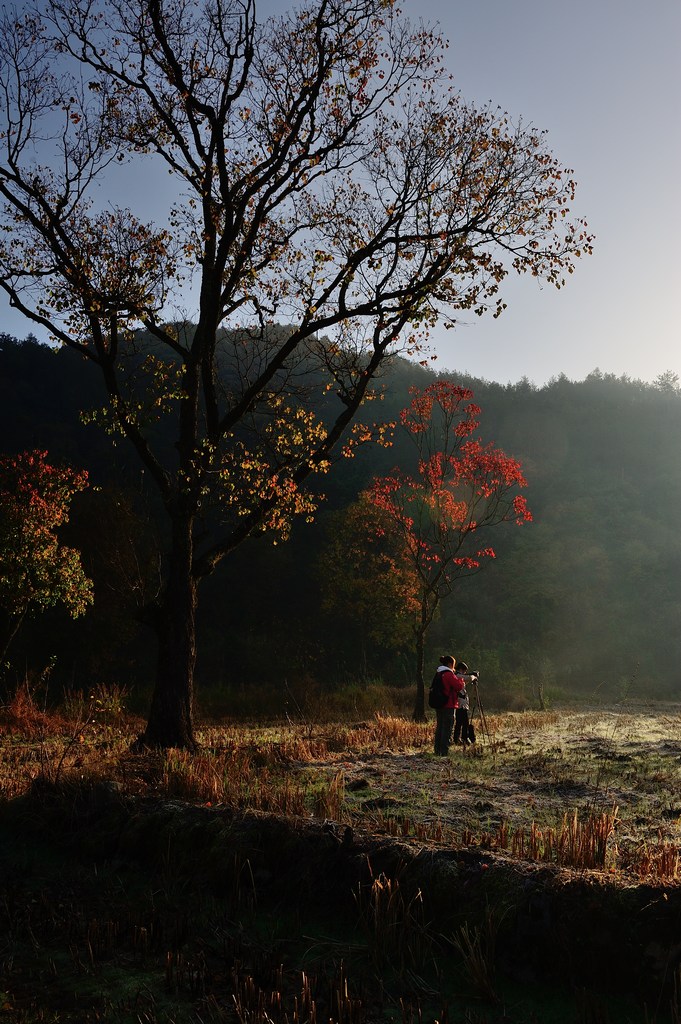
[[452, 686]]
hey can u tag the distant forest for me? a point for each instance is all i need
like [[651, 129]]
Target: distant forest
[[585, 600]]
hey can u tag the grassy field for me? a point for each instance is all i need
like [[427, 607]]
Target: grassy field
[[300, 871]]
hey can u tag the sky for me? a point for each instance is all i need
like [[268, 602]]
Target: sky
[[603, 78]]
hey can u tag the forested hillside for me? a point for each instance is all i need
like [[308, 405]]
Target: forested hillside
[[585, 599]]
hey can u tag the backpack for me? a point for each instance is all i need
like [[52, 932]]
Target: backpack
[[437, 698]]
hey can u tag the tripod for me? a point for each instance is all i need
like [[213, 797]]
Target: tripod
[[478, 704]]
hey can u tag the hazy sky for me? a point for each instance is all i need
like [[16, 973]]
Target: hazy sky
[[603, 77]]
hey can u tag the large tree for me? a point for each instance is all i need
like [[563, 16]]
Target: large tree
[[323, 173]]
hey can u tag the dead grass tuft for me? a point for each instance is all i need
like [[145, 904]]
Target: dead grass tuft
[[250, 776], [383, 732], [22, 716]]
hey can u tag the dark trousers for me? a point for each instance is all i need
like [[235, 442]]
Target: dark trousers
[[443, 730], [461, 726]]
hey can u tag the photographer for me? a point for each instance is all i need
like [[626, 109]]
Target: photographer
[[463, 732]]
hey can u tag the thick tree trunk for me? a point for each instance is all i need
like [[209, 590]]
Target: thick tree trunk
[[171, 716]]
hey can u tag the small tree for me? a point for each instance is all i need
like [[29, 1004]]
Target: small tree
[[322, 173], [439, 516], [36, 571], [668, 383]]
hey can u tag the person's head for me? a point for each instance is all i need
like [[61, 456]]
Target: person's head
[[462, 667], [447, 660]]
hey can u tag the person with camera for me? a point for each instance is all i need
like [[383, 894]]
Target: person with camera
[[463, 734]]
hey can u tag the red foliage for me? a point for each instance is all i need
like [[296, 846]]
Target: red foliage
[[41, 492], [463, 486]]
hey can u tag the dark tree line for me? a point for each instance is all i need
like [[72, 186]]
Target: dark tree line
[[584, 599]]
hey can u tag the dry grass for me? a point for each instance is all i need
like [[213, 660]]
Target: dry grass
[[394, 924], [587, 789], [476, 947], [274, 1005]]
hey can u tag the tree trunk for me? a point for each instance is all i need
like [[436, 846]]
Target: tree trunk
[[171, 716], [429, 603], [420, 705]]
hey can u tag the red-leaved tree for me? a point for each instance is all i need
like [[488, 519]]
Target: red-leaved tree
[[36, 571], [441, 515]]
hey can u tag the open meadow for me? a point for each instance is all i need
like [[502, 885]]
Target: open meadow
[[305, 870]]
